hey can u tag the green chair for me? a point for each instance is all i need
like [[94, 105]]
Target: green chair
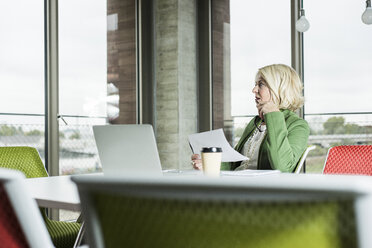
[[27, 160], [282, 211]]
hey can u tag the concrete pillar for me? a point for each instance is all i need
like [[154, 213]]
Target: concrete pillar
[[176, 80]]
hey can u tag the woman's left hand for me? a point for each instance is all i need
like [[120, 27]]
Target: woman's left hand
[[266, 107]]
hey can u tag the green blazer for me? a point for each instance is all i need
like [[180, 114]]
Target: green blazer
[[283, 145]]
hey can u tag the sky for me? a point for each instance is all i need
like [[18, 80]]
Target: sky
[[82, 57], [338, 55]]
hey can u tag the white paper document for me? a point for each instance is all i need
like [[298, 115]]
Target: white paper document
[[215, 138]]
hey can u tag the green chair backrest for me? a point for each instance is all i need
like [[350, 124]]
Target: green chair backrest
[[164, 223], [24, 159], [123, 215]]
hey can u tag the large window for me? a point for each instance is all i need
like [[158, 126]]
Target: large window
[[96, 69], [337, 70], [98, 77]]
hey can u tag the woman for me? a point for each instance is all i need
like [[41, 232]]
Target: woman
[[276, 138]]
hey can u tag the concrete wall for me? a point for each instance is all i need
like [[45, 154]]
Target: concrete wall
[[176, 80]]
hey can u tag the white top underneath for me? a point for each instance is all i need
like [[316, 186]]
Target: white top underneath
[[251, 149]]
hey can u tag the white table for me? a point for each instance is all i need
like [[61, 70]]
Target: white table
[[59, 192], [54, 192]]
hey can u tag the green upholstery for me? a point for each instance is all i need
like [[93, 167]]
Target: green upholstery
[[27, 160], [130, 221], [63, 234]]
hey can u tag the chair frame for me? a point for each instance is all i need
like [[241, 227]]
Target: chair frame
[[303, 158], [25, 209], [325, 161]]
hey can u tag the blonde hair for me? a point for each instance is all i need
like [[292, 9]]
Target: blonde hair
[[284, 84]]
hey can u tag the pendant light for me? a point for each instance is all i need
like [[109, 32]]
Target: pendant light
[[367, 14], [302, 24]]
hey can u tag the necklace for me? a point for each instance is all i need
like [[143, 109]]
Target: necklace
[[258, 127]]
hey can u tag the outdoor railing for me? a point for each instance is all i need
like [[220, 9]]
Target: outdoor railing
[[78, 152]]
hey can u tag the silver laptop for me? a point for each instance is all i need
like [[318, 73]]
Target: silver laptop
[[127, 150]]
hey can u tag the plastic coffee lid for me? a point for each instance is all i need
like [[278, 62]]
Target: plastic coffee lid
[[211, 149]]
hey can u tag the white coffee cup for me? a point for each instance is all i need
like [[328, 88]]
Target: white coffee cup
[[211, 159]]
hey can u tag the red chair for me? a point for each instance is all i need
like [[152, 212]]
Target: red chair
[[21, 224], [11, 234], [353, 159]]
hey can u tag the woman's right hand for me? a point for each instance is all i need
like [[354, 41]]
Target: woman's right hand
[[266, 107], [196, 162]]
